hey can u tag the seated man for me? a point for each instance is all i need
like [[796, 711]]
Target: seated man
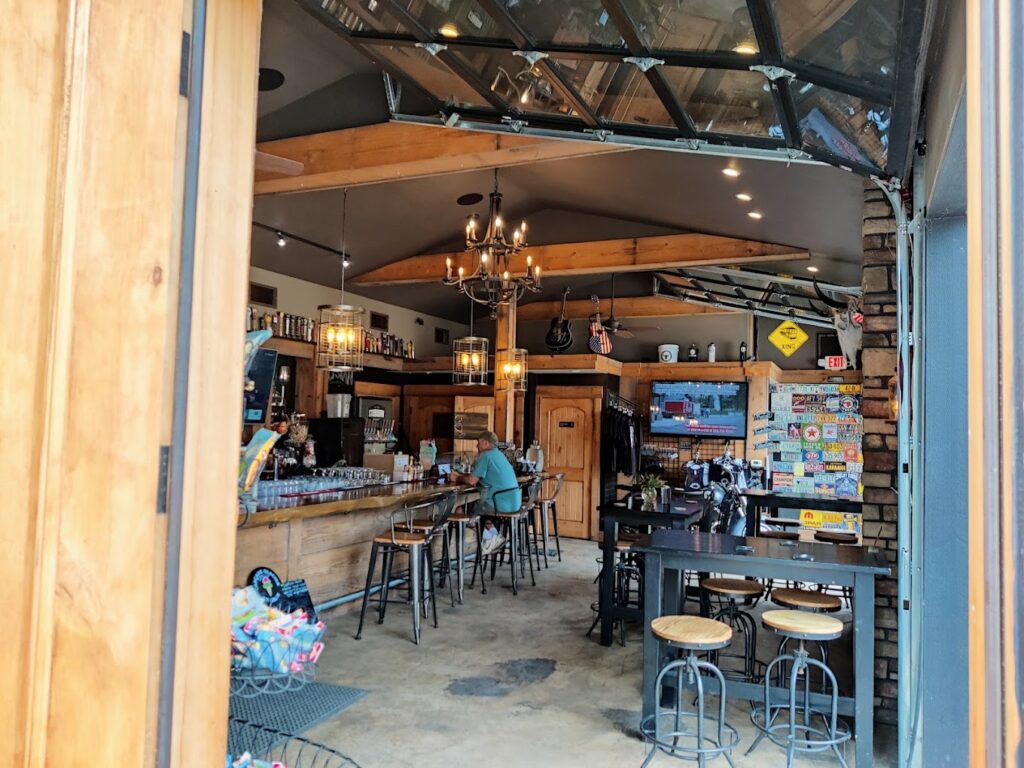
[[493, 473]]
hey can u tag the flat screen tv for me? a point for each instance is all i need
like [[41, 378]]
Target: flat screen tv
[[256, 401], [711, 409]]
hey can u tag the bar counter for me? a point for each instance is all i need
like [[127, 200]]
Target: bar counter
[[328, 543]]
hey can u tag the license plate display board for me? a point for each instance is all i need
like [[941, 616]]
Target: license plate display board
[[815, 439]]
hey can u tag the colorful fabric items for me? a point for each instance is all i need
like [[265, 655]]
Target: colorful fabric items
[[263, 637]]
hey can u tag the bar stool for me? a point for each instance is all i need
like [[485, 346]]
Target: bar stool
[[444, 566], [514, 527], [417, 545], [627, 570], [839, 538], [692, 634], [800, 626], [546, 512], [727, 591], [458, 522]]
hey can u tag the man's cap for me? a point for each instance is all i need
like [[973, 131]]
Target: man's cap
[[490, 437]]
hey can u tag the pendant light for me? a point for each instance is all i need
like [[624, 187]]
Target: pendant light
[[469, 357], [513, 369], [342, 327]]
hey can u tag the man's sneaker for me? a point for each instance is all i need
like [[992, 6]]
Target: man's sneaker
[[492, 544]]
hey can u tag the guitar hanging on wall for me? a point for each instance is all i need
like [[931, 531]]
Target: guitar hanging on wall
[[599, 342], [559, 335]]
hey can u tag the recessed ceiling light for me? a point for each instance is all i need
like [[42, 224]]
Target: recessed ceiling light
[[449, 30], [732, 173], [812, 269], [470, 198], [744, 197], [755, 214], [745, 49], [270, 79]]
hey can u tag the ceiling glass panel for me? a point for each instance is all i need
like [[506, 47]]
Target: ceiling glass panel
[[694, 25], [565, 22], [618, 93], [363, 16], [855, 37], [455, 19], [846, 126], [726, 101], [517, 82], [431, 74]]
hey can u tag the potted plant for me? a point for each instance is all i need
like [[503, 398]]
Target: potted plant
[[649, 484]]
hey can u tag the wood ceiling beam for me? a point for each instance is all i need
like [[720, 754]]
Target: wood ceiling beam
[[393, 151], [625, 307], [635, 254]]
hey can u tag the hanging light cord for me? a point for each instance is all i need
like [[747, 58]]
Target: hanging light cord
[[344, 253]]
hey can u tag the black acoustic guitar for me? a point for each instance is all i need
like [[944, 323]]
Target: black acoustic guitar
[[559, 335]]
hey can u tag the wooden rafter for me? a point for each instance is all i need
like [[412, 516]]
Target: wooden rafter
[[599, 257], [393, 151]]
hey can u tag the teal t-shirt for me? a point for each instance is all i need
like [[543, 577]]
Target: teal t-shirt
[[496, 474]]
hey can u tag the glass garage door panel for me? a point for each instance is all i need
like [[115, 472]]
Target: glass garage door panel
[[566, 22], [726, 101], [364, 16], [455, 20], [855, 37], [517, 82], [430, 74], [693, 25], [617, 93], [846, 126]]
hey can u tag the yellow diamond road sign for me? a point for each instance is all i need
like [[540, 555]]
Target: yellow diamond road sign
[[788, 337]]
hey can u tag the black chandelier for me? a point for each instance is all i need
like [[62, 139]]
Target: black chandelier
[[499, 276]]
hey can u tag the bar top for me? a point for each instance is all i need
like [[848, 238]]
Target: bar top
[[846, 558], [373, 498]]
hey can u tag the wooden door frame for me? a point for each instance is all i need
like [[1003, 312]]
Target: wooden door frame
[[596, 394], [93, 189]]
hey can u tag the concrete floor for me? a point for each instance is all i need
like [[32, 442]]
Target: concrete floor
[[511, 681]]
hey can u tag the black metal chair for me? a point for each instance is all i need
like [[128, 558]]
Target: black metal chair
[[514, 526]]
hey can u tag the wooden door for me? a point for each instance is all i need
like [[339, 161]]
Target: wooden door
[[424, 417], [566, 427], [464, 404]]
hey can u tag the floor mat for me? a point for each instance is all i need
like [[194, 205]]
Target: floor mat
[[264, 722]]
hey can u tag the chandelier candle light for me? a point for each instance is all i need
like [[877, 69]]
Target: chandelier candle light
[[342, 326], [494, 281], [513, 369]]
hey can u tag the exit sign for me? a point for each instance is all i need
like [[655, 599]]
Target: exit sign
[[835, 362]]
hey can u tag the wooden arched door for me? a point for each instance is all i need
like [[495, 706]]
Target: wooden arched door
[[567, 428]]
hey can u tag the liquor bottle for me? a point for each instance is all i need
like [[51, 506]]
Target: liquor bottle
[[711, 352], [743, 351], [692, 354]]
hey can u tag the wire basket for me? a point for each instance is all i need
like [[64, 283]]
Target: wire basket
[[255, 676], [288, 749]]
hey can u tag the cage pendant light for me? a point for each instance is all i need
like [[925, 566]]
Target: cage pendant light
[[512, 369], [342, 328], [469, 357]]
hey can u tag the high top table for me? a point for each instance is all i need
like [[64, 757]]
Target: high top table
[[760, 500], [669, 553]]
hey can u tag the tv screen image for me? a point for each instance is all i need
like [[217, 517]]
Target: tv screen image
[[713, 409]]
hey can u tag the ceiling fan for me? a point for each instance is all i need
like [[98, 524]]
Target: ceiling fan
[[615, 327]]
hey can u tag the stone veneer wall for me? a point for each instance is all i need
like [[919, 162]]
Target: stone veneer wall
[[880, 446]]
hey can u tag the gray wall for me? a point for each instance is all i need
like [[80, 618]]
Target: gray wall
[[944, 654]]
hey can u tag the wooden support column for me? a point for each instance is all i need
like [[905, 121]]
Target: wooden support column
[[504, 398]]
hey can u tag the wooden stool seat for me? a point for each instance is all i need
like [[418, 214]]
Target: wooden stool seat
[[787, 535], [507, 515], [733, 587], [805, 598], [417, 525], [835, 537], [694, 632], [462, 517], [803, 624], [402, 538], [622, 544]]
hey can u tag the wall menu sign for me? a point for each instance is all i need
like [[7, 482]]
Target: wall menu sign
[[470, 425], [815, 439]]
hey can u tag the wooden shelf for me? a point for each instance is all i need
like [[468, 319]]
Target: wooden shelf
[[574, 364], [305, 350]]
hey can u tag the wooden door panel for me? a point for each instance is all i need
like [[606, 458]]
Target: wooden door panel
[[566, 431]]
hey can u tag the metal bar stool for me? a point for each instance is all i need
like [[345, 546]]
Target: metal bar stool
[[805, 600], [627, 570], [444, 566], [459, 521], [839, 538], [801, 626], [417, 545], [693, 634], [546, 512], [514, 527], [727, 592]]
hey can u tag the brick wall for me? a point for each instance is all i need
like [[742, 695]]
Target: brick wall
[[880, 447]]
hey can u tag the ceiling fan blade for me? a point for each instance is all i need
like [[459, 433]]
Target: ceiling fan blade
[[635, 328], [624, 333]]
